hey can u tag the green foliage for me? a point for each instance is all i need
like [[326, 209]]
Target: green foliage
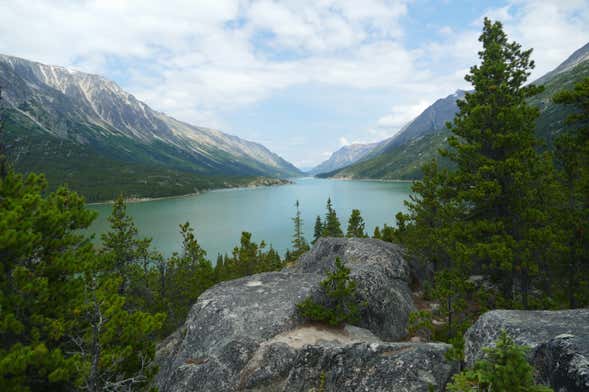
[[317, 229], [572, 153], [421, 324], [504, 368], [331, 224], [3, 157], [247, 259], [187, 275], [492, 214], [377, 235], [65, 324], [356, 225], [299, 244], [340, 303], [41, 253]]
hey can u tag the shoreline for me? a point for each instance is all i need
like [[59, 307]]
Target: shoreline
[[364, 179], [133, 200]]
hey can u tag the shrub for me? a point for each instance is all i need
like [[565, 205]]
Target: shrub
[[504, 368], [341, 304]]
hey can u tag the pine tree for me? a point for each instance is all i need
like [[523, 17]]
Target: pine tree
[[190, 273], [428, 232], [340, 304], [42, 252], [356, 225], [572, 153], [65, 325], [299, 243], [499, 185], [376, 234], [317, 229], [3, 152], [504, 368], [331, 225], [117, 344]]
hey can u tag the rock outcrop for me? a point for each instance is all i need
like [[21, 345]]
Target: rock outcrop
[[558, 342], [246, 334], [381, 274]]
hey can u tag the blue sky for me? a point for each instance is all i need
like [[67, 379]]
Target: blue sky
[[303, 77]]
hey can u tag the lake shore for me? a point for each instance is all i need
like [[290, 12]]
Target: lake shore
[[258, 183], [366, 179]]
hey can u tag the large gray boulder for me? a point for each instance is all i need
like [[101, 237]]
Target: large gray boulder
[[558, 342], [246, 334], [382, 276], [225, 328], [344, 361]]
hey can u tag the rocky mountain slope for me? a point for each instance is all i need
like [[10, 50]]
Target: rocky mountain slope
[[83, 117], [343, 157], [419, 141]]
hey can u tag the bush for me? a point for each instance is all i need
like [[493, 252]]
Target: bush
[[341, 305], [504, 368]]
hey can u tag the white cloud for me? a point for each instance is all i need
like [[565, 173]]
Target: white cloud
[[402, 114], [196, 60], [344, 142]]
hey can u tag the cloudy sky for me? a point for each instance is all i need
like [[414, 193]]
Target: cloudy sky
[[303, 77]]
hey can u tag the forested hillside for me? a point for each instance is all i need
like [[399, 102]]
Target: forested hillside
[[86, 131]]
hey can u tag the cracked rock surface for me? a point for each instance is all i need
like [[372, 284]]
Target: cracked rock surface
[[246, 334], [558, 342]]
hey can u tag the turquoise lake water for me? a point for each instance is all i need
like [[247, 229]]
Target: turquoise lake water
[[220, 216]]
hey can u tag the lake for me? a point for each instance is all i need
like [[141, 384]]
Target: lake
[[220, 216]]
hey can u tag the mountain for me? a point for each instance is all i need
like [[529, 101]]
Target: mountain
[[433, 118], [402, 156], [73, 124], [343, 157]]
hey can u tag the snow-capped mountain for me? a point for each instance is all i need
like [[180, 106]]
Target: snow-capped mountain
[[95, 112]]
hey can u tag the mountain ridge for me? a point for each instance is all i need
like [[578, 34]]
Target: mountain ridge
[[402, 157], [55, 104], [344, 156]]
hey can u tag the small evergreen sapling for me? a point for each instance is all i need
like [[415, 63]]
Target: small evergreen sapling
[[504, 368], [341, 304], [356, 225]]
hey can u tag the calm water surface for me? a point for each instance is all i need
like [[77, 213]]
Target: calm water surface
[[220, 216]]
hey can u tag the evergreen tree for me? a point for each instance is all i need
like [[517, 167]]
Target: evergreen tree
[[41, 253], [356, 225], [377, 233], [340, 304], [190, 273], [64, 323], [117, 345], [572, 153], [299, 243], [431, 214], [318, 229], [496, 203], [504, 368], [3, 152], [331, 225], [123, 249]]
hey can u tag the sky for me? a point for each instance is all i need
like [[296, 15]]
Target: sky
[[302, 77]]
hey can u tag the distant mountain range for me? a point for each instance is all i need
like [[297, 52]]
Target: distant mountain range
[[402, 156], [343, 157], [84, 130]]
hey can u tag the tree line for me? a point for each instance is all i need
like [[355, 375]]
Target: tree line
[[79, 316]]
